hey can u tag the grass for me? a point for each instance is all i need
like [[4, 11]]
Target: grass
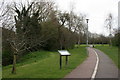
[[45, 64], [112, 52]]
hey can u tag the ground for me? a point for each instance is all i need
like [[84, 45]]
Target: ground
[[45, 64], [48, 66]]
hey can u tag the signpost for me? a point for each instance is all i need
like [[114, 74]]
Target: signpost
[[63, 53]]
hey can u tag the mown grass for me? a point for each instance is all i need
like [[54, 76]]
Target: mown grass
[[45, 64], [112, 52]]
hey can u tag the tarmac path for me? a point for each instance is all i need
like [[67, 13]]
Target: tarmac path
[[106, 68], [97, 65]]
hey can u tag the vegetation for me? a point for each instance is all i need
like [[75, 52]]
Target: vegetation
[[45, 64], [112, 52], [116, 39], [109, 26]]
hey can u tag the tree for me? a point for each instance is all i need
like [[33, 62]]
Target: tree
[[109, 22], [79, 27], [50, 30], [116, 38], [62, 18], [27, 20]]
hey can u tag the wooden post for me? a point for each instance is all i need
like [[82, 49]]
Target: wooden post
[[66, 60], [60, 62]]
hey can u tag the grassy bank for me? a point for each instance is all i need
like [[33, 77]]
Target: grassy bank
[[112, 52], [45, 64]]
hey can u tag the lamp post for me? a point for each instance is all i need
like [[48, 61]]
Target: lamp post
[[87, 32]]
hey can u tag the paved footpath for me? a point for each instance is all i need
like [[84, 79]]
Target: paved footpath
[[106, 68], [89, 68]]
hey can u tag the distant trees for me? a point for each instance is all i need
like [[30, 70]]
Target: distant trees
[[95, 38], [79, 27]]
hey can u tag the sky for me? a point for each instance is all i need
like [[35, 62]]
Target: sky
[[95, 10]]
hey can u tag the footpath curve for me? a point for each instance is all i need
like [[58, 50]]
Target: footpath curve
[[107, 68], [97, 66]]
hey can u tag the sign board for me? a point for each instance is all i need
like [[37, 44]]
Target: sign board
[[91, 46], [64, 52]]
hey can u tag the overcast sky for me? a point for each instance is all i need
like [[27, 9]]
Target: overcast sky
[[96, 11]]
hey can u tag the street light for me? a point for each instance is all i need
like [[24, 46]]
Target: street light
[[87, 32]]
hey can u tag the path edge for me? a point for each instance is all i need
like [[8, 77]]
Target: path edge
[[96, 66]]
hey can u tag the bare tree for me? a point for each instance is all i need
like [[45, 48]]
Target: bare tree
[[26, 24], [109, 26], [62, 18]]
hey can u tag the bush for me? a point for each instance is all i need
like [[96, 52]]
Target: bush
[[6, 57], [116, 40]]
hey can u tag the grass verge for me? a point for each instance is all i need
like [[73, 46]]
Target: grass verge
[[46, 66], [112, 52]]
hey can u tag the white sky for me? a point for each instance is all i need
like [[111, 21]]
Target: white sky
[[96, 11]]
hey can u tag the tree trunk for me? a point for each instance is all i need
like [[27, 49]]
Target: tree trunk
[[14, 64], [59, 37], [79, 40], [110, 42]]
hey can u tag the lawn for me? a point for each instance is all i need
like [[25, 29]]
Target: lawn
[[112, 52], [45, 64]]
